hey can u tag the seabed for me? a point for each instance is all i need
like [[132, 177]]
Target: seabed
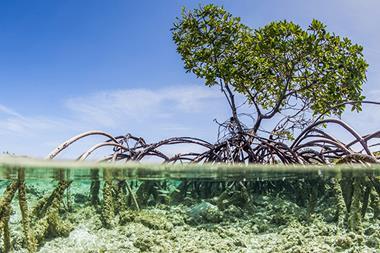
[[88, 207]]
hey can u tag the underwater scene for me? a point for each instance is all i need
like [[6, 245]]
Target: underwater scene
[[86, 207]]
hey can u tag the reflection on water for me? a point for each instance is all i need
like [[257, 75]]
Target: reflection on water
[[66, 207]]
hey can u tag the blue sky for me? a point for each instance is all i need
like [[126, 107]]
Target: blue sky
[[71, 66]]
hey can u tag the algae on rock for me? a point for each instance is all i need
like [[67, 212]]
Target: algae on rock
[[47, 221], [5, 213], [340, 204], [108, 208], [355, 219], [30, 240]]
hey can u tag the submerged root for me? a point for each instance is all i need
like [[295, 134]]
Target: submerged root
[[115, 201], [146, 192], [179, 194], [6, 233], [375, 204], [313, 194], [340, 204], [30, 240], [52, 225], [355, 219], [132, 196], [237, 198], [94, 192], [95, 188], [124, 195], [43, 205], [47, 222], [108, 209], [8, 195], [5, 201], [366, 194], [120, 196], [5, 213], [347, 190]]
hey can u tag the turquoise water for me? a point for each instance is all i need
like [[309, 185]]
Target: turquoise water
[[90, 207]]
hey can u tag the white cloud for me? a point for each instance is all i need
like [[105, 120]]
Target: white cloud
[[8, 111], [12, 122], [110, 108], [152, 114]]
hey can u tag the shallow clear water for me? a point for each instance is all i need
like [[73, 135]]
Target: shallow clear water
[[89, 207]]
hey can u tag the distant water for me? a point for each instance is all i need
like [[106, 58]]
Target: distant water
[[62, 206]]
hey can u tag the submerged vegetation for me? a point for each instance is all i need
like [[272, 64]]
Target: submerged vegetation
[[304, 212], [294, 76]]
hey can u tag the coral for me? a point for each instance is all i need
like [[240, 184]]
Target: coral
[[374, 241], [144, 244], [344, 242], [205, 211], [149, 219], [233, 197]]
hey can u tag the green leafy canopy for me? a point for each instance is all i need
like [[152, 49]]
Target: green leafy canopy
[[279, 67]]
